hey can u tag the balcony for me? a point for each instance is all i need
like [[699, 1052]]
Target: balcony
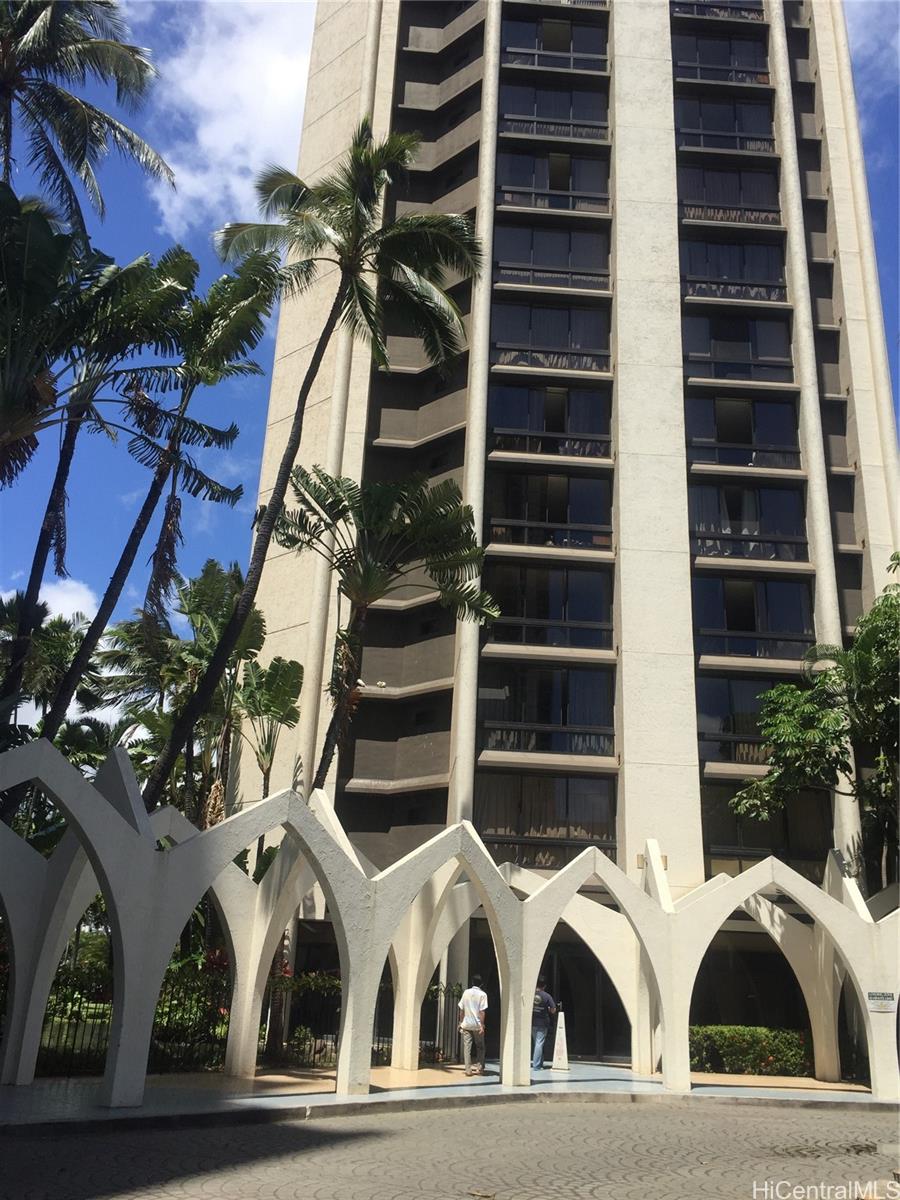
[[782, 547], [540, 631], [742, 454], [552, 198], [570, 129], [767, 370], [570, 445], [732, 10], [690, 210], [716, 139], [523, 737], [540, 853], [548, 358], [531, 275], [715, 73], [752, 644], [554, 60], [764, 291], [747, 749], [570, 536]]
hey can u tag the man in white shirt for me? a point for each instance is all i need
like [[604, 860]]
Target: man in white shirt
[[472, 1007]]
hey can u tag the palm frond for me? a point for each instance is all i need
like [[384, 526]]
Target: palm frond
[[164, 559]]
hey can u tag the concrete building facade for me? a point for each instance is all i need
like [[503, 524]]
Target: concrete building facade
[[673, 422]]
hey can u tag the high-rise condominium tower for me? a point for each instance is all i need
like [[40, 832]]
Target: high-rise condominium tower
[[673, 422]]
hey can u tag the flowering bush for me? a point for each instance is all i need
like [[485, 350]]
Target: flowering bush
[[749, 1050]]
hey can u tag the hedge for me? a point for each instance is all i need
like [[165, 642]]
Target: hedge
[[749, 1050]]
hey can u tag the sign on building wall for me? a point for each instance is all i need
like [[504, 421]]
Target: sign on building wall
[[884, 1002]]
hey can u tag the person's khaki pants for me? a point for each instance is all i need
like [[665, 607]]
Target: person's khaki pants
[[473, 1040]]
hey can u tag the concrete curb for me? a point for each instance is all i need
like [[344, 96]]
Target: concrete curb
[[263, 1115]]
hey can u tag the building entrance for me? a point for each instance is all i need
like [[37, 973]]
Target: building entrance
[[597, 1027]]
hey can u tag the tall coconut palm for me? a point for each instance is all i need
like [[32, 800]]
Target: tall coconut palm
[[400, 266], [215, 334], [89, 333], [377, 538], [48, 47]]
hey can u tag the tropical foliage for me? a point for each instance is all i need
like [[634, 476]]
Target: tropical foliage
[[336, 224], [379, 538], [845, 709], [48, 49]]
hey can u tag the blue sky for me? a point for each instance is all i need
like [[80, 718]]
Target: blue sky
[[229, 100]]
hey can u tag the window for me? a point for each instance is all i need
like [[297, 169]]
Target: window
[[801, 835], [724, 124], [728, 718], [552, 112], [726, 347], [549, 710], [735, 431], [732, 520], [723, 58], [551, 257], [753, 271], [551, 510], [553, 181], [554, 42], [755, 618], [543, 820], [572, 421], [723, 194], [569, 338]]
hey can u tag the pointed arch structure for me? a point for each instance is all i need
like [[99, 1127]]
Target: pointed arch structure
[[407, 914]]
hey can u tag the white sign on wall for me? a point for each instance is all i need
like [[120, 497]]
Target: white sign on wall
[[884, 1002]]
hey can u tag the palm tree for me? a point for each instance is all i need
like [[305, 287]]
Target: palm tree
[[215, 334], [47, 47], [377, 538], [89, 332], [401, 265]]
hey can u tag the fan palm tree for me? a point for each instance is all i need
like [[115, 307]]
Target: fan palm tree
[[400, 265], [215, 334], [46, 48], [377, 538]]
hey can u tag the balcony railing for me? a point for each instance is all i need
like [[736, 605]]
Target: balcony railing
[[741, 10], [782, 547], [564, 60], [552, 358], [530, 275], [554, 127], [528, 738], [514, 531], [733, 289], [715, 139], [748, 748], [752, 644], [547, 853], [538, 631], [771, 370], [574, 445], [742, 454], [571, 3], [553, 199], [721, 74], [692, 210]]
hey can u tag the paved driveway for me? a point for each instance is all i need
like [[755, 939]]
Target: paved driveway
[[528, 1151]]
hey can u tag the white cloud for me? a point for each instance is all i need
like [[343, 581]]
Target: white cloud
[[229, 101], [67, 596], [873, 28]]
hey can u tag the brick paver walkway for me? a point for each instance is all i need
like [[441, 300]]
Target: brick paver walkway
[[511, 1152]]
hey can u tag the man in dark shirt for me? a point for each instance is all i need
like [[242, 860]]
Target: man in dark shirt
[[544, 1008]]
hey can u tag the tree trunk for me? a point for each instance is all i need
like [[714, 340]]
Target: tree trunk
[[118, 579], [336, 725], [261, 840], [21, 645], [200, 700]]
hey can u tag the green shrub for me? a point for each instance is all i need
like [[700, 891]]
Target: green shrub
[[749, 1050]]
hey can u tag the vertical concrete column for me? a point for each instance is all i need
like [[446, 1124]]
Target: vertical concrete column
[[862, 318], [812, 448], [655, 699], [465, 692], [322, 607]]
